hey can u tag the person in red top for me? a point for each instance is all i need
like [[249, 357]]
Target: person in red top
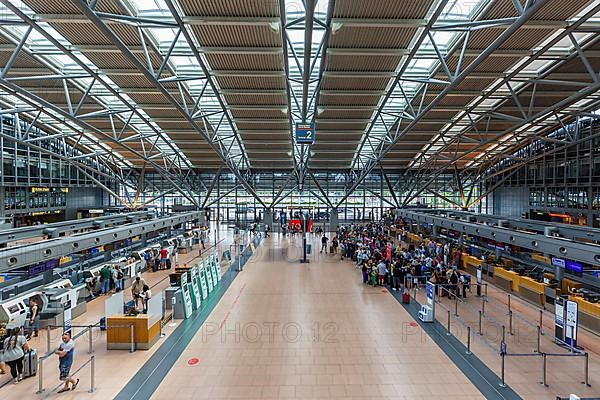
[[163, 258]]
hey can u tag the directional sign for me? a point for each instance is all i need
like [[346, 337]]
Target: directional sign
[[305, 133]]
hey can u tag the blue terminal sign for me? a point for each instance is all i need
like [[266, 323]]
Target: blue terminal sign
[[305, 133]]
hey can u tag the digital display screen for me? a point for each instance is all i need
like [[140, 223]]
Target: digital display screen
[[574, 266], [559, 262]]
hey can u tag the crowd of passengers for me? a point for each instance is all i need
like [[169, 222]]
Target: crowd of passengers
[[385, 256]]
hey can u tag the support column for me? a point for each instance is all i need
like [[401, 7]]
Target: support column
[[333, 220]]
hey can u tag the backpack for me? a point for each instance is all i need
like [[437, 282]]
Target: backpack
[[120, 274], [454, 278]]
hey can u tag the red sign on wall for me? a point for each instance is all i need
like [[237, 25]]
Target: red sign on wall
[[296, 223]]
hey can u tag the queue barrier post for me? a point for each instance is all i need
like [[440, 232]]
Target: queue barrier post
[[455, 305], [541, 322], [92, 373], [586, 370], [480, 327], [502, 382], [509, 303], [48, 338], [483, 306], [539, 338], [544, 369], [468, 340], [40, 372], [485, 297], [132, 338], [91, 345], [510, 323], [448, 327]]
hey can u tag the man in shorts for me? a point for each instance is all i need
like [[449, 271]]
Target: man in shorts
[[65, 361]]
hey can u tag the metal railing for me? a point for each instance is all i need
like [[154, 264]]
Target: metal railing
[[91, 361], [453, 316]]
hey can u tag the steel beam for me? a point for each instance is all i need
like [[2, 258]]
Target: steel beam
[[530, 11], [126, 52]]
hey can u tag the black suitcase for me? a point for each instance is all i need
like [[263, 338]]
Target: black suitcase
[[330, 249], [103, 323]]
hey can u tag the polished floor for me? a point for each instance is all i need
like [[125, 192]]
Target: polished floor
[[113, 369], [310, 331]]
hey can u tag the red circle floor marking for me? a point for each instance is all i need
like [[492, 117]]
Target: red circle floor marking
[[413, 324], [193, 361]]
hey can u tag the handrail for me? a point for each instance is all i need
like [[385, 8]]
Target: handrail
[[91, 361]]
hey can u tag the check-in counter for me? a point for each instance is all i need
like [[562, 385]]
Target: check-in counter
[[508, 280], [413, 239], [568, 285], [541, 258], [118, 332], [532, 290], [589, 313], [470, 264]]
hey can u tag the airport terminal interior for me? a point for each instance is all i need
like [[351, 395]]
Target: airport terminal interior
[[300, 199]]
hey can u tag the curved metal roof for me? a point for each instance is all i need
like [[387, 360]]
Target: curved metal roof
[[418, 85]]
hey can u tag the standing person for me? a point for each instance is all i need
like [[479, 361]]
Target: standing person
[[267, 228], [163, 258], [15, 347], [324, 240], [105, 276], [453, 283], [145, 296], [202, 237], [34, 319], [381, 272], [117, 277], [365, 272], [137, 288], [65, 361]]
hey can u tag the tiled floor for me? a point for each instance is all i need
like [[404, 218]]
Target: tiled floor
[[114, 368], [291, 330], [523, 371]]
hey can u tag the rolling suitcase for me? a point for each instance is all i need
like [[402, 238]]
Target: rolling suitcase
[[30, 363], [330, 249], [406, 297]]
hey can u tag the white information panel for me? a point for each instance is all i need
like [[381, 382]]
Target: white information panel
[[187, 298], [213, 270], [195, 290], [208, 275], [202, 279]]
